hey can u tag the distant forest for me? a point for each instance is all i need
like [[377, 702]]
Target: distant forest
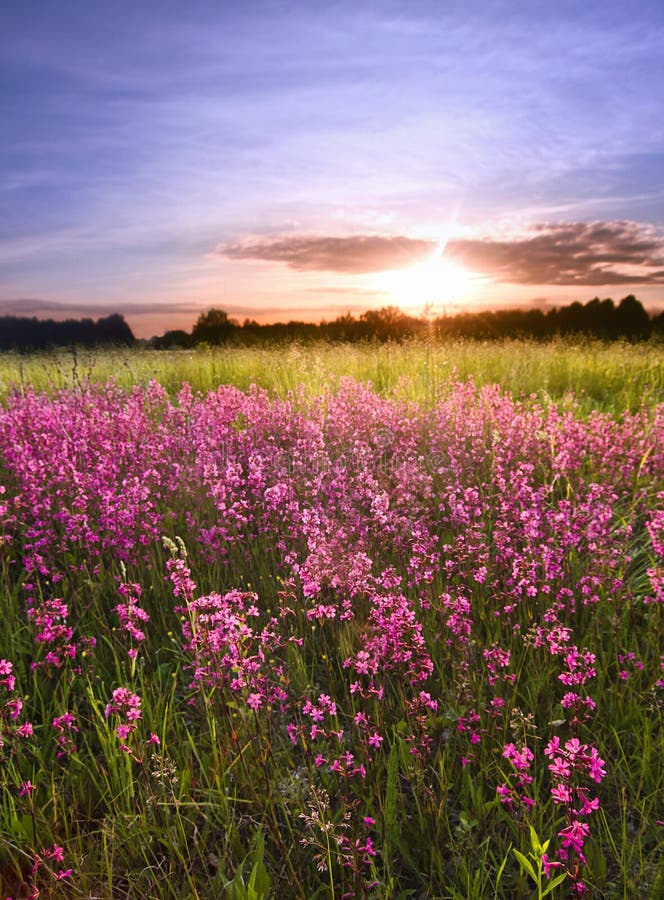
[[19, 333], [601, 319]]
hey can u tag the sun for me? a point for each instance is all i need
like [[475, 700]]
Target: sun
[[436, 283]]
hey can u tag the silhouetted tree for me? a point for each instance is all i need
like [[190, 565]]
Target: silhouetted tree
[[172, 339], [657, 326], [597, 318], [213, 326], [633, 322], [19, 333], [390, 323], [114, 330], [600, 318]]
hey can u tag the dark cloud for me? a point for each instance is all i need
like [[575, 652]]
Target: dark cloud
[[574, 253], [357, 254]]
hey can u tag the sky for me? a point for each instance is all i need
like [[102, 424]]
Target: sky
[[301, 160]]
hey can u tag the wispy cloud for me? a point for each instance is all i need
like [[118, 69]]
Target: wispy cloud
[[573, 253], [357, 254], [352, 291], [34, 306]]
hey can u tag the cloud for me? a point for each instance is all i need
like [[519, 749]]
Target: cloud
[[357, 254], [33, 306], [353, 291], [572, 253]]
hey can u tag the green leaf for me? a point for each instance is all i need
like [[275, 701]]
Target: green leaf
[[259, 880], [501, 869], [21, 827], [499, 873], [526, 865], [535, 843], [235, 889], [554, 884]]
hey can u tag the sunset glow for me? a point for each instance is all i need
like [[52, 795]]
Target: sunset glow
[[431, 287], [274, 159]]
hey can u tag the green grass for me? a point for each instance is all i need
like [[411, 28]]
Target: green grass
[[607, 377]]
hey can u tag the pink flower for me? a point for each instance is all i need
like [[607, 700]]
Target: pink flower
[[56, 853], [574, 835], [255, 701], [15, 707], [553, 746], [560, 768], [549, 866], [561, 794], [595, 769], [63, 873], [375, 741], [588, 806], [65, 721]]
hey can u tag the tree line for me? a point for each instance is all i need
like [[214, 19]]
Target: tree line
[[600, 319], [22, 333]]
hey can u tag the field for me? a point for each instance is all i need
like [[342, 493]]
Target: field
[[333, 622]]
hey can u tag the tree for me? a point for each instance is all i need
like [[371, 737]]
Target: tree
[[113, 330], [174, 338], [213, 326], [389, 322], [632, 320]]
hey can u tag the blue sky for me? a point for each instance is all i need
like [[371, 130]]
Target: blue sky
[[283, 159]]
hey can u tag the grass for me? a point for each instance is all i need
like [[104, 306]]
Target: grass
[[603, 376]]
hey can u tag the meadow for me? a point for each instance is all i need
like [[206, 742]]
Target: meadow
[[333, 621]]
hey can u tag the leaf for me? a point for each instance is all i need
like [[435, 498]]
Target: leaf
[[21, 827], [554, 884], [535, 843], [235, 889], [501, 869], [526, 865], [259, 881]]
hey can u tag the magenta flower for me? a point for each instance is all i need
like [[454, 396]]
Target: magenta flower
[[549, 865], [595, 766], [127, 706], [574, 836]]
